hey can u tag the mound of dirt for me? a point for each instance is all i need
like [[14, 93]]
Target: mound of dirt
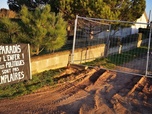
[[93, 91]]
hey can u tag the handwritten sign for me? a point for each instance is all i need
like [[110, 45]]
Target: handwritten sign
[[14, 63]]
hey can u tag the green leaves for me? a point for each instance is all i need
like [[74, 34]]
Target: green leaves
[[132, 10], [56, 36], [128, 10], [10, 29], [45, 29], [41, 28]]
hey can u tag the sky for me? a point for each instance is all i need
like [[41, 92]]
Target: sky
[[3, 4]]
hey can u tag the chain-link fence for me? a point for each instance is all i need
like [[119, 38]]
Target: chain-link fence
[[126, 46]]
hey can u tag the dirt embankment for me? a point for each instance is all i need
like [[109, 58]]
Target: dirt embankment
[[94, 91]]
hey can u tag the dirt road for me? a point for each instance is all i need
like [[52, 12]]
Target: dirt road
[[94, 91]]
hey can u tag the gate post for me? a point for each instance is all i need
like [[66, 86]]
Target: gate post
[[107, 43], [74, 38], [148, 54]]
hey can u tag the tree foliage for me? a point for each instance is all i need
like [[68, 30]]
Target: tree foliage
[[9, 31], [131, 10], [41, 28], [44, 29], [128, 10], [86, 8]]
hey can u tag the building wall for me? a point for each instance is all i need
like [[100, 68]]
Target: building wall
[[142, 19]]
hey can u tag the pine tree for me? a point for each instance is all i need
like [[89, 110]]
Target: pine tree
[[9, 30], [132, 10], [44, 29], [56, 35], [128, 10]]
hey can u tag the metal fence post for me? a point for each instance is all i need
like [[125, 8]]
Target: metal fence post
[[74, 39], [107, 42], [148, 54]]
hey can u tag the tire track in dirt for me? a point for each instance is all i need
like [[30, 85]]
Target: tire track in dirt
[[93, 91], [71, 88]]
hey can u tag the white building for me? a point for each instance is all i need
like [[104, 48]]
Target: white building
[[142, 19], [122, 32]]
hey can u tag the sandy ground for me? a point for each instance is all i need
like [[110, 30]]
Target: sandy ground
[[94, 91]]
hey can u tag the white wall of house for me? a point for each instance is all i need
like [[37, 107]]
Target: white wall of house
[[122, 32], [142, 19]]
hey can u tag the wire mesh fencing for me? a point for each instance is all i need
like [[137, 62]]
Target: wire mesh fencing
[[90, 33], [120, 45]]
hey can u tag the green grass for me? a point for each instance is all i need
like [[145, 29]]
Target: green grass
[[38, 81], [125, 57], [118, 59], [101, 62]]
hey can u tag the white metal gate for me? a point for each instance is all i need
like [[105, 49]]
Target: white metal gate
[[119, 45]]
